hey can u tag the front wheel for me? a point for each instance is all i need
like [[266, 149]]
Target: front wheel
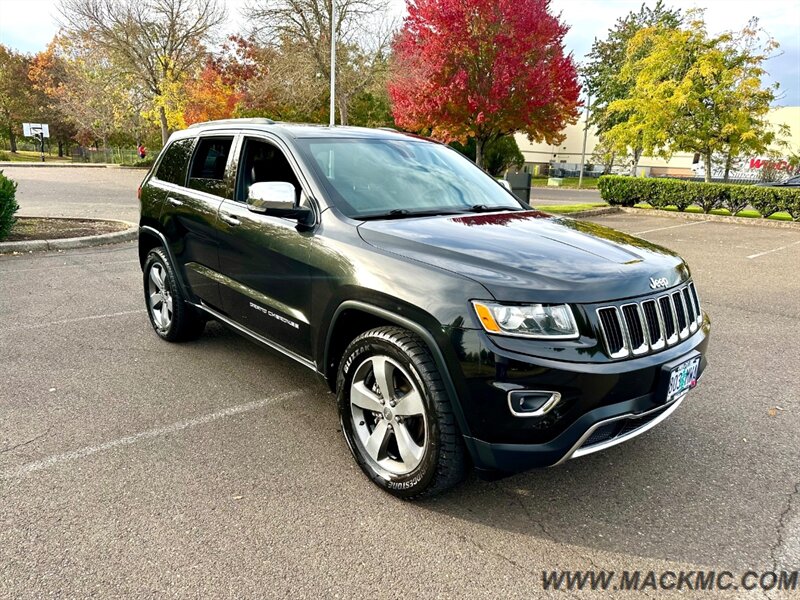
[[396, 415], [172, 318]]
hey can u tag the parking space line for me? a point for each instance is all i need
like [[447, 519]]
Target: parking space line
[[774, 250], [670, 227], [57, 459], [76, 320]]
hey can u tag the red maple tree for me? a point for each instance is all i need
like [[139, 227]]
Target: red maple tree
[[483, 69]]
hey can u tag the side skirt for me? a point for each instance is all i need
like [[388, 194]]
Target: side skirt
[[256, 337]]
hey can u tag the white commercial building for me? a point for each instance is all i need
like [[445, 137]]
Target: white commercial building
[[567, 155]]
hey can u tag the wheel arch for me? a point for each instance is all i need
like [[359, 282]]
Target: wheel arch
[[375, 316], [149, 238]]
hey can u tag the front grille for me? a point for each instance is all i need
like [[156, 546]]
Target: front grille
[[638, 328]]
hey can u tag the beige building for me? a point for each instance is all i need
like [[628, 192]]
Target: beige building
[[567, 155]]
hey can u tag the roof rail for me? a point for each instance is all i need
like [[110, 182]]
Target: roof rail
[[252, 120]]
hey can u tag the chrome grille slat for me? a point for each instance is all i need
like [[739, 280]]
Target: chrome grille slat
[[634, 324], [696, 299], [613, 334], [680, 314], [650, 325], [655, 325]]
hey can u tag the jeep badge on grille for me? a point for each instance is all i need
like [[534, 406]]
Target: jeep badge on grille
[[661, 282]]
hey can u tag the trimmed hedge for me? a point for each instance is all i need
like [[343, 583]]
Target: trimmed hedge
[[621, 190], [8, 205]]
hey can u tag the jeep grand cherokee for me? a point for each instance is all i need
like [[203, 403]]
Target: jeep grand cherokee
[[456, 325]]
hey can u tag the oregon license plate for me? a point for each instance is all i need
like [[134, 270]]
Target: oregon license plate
[[683, 378]]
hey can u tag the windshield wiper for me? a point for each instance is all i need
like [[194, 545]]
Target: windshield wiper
[[485, 208], [402, 213]]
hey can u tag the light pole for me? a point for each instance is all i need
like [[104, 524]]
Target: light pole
[[585, 135], [333, 64]]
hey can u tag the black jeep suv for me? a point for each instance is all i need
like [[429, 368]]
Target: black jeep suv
[[455, 324]]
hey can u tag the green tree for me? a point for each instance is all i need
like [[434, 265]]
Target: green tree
[[499, 155], [159, 43], [696, 93], [15, 93], [601, 73]]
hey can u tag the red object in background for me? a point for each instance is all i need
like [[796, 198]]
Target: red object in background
[[471, 68]]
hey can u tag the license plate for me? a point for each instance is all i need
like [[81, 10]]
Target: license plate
[[683, 378]]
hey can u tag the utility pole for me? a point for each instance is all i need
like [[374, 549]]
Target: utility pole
[[333, 63], [585, 135]]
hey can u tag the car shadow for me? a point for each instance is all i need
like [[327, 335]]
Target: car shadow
[[643, 498]]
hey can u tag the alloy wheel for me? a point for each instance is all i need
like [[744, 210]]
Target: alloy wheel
[[160, 297], [389, 416]]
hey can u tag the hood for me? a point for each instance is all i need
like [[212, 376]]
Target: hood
[[531, 256]]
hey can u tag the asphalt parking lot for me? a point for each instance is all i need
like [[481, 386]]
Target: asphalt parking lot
[[131, 467]]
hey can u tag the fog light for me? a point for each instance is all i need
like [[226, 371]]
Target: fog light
[[530, 403]]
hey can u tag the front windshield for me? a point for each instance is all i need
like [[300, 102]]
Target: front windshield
[[384, 177]]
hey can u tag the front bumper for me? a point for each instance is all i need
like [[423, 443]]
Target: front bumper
[[603, 403]]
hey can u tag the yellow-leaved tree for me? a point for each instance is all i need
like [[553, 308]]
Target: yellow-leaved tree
[[694, 92]]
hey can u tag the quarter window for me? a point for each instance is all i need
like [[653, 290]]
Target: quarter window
[[208, 166], [172, 168]]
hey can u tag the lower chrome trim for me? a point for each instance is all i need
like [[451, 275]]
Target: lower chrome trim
[[577, 451], [255, 336], [550, 404]]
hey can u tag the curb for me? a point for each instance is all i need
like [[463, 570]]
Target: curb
[[753, 222], [594, 212], [58, 165], [116, 237]]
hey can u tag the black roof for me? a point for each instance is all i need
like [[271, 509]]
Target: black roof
[[294, 130]]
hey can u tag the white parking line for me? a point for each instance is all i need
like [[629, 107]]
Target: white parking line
[[670, 227], [774, 250], [76, 320], [57, 459]]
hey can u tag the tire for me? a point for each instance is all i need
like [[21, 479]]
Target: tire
[[409, 443], [172, 318]]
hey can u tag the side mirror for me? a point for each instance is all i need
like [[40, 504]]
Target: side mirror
[[278, 199], [505, 184]]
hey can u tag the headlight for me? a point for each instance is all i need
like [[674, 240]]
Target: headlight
[[552, 321]]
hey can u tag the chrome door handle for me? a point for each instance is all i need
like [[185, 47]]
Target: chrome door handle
[[229, 219], [174, 201]]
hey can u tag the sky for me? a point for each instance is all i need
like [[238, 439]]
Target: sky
[[28, 25]]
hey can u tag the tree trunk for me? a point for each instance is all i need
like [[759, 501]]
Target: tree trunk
[[60, 149], [728, 164], [342, 102], [479, 143], [12, 138], [162, 115], [707, 162], [610, 164], [637, 154]]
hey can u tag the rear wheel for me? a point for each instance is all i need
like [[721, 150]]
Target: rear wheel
[[172, 318], [396, 415]]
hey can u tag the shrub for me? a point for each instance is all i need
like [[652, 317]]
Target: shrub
[[4, 155], [8, 205], [738, 198], [144, 163], [789, 201], [621, 190], [765, 200], [710, 196]]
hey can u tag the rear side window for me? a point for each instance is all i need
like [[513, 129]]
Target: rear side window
[[172, 167], [207, 173]]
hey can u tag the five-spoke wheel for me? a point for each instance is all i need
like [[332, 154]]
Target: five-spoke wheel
[[172, 317], [388, 414], [160, 297], [396, 414]]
